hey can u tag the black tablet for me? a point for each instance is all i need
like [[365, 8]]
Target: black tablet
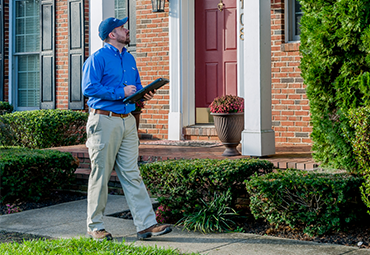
[[140, 93]]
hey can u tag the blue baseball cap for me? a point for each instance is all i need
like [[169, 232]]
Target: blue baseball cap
[[107, 26]]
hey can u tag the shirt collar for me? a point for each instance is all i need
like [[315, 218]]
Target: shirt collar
[[114, 49]]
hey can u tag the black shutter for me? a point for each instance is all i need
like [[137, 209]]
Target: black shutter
[[76, 37], [1, 51], [47, 55]]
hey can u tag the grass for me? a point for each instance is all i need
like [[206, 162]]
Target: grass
[[81, 246]]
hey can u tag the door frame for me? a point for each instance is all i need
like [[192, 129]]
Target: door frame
[[182, 66]]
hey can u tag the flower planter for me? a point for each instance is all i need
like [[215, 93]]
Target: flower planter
[[229, 127]]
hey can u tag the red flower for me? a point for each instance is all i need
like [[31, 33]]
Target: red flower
[[227, 104]]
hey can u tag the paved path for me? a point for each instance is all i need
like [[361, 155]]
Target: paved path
[[67, 220]]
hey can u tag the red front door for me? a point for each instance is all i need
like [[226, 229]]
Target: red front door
[[215, 51]]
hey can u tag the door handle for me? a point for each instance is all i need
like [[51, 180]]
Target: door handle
[[220, 6]]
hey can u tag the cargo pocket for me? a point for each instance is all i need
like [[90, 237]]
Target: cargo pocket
[[94, 148]]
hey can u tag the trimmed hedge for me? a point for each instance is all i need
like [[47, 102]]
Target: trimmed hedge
[[318, 202], [335, 49], [181, 184], [5, 107], [43, 128], [28, 174]]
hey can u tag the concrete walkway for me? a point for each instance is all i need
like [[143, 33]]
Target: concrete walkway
[[68, 220]]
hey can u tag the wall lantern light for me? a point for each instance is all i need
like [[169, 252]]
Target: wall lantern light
[[158, 5]]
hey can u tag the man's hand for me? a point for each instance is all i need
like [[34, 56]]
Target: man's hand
[[129, 90], [149, 95]]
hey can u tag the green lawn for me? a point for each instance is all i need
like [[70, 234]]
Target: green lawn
[[80, 246]]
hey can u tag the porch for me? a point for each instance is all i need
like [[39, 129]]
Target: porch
[[299, 157]]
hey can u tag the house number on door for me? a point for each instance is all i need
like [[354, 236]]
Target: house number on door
[[241, 34]]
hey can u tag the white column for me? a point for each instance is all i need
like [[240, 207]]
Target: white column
[[240, 46], [99, 10], [182, 67], [258, 138]]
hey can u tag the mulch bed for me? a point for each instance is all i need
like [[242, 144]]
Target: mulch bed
[[357, 235], [54, 198]]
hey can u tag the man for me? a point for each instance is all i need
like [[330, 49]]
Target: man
[[109, 75]]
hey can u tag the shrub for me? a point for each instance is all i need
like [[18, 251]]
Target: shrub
[[44, 128], [28, 174], [7, 136], [318, 202], [5, 107], [182, 184], [359, 136], [335, 49]]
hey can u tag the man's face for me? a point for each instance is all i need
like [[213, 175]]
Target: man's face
[[122, 34]]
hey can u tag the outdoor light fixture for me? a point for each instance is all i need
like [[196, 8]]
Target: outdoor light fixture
[[158, 5]]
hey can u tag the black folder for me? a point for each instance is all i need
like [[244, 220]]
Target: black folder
[[140, 93]]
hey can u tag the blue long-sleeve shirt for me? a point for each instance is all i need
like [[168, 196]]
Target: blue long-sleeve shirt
[[104, 75]]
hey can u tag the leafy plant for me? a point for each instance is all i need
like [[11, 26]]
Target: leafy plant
[[43, 128], [181, 185], [318, 202], [359, 136], [212, 216], [335, 49], [7, 135], [5, 107], [227, 104], [28, 174]]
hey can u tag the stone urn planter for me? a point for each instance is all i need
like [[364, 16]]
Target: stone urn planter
[[137, 117], [228, 116], [229, 128]]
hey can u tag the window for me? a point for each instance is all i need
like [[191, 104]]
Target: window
[[26, 38], [294, 14], [122, 9]]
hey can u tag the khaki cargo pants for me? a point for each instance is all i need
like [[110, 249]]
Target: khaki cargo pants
[[113, 143]]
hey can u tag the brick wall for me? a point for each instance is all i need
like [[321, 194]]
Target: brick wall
[[61, 53], [290, 106], [153, 62]]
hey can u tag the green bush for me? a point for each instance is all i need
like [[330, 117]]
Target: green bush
[[335, 49], [180, 185], [360, 140], [5, 107], [44, 128], [7, 136], [28, 174], [318, 202]]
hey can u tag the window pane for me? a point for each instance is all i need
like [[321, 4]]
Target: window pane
[[120, 9], [297, 6], [27, 28], [298, 24], [297, 18], [28, 81]]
